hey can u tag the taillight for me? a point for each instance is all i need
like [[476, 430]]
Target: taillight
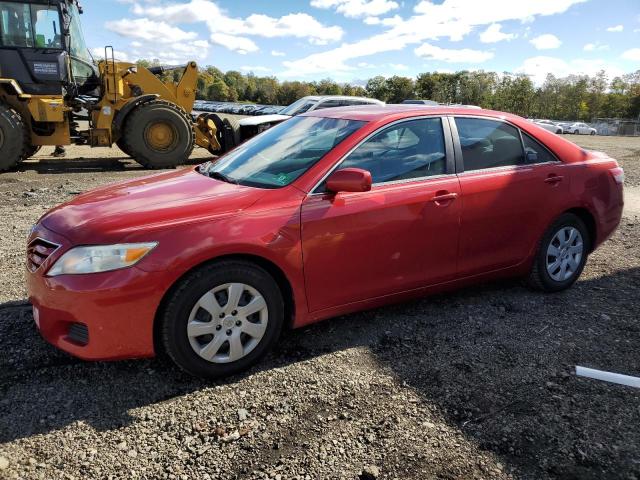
[[617, 174]]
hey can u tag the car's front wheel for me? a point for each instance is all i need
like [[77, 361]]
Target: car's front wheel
[[562, 254], [222, 318]]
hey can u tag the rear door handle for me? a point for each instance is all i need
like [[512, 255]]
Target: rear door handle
[[444, 197], [553, 179]]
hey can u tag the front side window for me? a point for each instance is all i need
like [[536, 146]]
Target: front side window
[[410, 149], [488, 144], [535, 151], [283, 153], [29, 26]]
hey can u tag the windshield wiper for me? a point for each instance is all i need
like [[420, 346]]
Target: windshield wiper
[[223, 177]]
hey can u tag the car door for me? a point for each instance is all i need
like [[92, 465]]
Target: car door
[[509, 198], [399, 236]]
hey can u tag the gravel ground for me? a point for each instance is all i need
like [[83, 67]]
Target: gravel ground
[[474, 384]]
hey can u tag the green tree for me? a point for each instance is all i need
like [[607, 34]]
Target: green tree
[[377, 88], [399, 89]]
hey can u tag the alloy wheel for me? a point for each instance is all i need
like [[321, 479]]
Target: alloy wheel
[[227, 322], [564, 253]]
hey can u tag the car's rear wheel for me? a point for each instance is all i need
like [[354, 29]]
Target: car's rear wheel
[[562, 254], [222, 318]]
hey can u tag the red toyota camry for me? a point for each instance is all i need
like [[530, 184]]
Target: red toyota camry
[[331, 212]]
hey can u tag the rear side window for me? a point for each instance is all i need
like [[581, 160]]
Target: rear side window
[[489, 144], [535, 151], [410, 149]]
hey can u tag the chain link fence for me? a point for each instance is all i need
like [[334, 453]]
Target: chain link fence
[[617, 126]]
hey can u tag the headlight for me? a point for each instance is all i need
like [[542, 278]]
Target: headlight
[[100, 258]]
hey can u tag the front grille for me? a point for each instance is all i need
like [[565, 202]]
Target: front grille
[[78, 333], [38, 251]]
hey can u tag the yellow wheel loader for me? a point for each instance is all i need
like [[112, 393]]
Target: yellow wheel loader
[[53, 93]]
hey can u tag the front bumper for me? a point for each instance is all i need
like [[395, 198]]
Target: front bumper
[[115, 309]]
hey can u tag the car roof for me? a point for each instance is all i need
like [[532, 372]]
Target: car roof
[[370, 113]]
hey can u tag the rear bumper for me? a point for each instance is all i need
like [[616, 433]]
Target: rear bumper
[[102, 316]]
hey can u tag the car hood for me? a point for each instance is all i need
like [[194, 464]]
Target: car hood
[[153, 202], [260, 119]]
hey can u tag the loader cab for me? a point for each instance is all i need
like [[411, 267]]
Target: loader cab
[[42, 46]]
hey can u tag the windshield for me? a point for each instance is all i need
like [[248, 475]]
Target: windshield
[[283, 153], [30, 26], [298, 107], [81, 60]]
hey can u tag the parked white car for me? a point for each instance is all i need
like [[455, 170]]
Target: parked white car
[[251, 126], [579, 128], [548, 125]]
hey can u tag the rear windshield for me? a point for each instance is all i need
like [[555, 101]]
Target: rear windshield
[[283, 153]]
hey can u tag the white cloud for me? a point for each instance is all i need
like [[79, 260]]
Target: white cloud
[[546, 42], [221, 25], [241, 45], [632, 54], [399, 66], [493, 34], [453, 19], [617, 28], [145, 29], [277, 53], [538, 67], [464, 55], [256, 68], [98, 54], [357, 8], [595, 47]]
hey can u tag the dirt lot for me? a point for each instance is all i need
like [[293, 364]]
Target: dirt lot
[[474, 384]]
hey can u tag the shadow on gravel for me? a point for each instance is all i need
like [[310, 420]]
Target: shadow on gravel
[[86, 165], [497, 360]]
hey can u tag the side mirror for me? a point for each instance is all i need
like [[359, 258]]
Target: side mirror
[[532, 157], [349, 180]]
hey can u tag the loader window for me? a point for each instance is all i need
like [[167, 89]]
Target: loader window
[[29, 26]]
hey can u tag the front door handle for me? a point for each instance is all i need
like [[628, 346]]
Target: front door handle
[[444, 196], [553, 179]]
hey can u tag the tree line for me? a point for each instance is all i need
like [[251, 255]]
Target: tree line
[[575, 97]]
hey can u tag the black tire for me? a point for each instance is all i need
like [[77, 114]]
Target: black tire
[[136, 142], [121, 145], [174, 317], [576, 132], [592, 133], [539, 277], [30, 151], [14, 138], [234, 127]]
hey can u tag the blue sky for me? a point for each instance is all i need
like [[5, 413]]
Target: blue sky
[[352, 40]]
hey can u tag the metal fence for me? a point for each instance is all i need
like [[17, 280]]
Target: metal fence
[[616, 126]]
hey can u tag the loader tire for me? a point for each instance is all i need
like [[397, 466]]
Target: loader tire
[[120, 144], [30, 151], [158, 134], [14, 138]]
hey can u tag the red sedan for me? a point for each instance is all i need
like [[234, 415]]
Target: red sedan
[[331, 212]]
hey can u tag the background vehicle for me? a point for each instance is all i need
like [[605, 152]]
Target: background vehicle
[[419, 102], [49, 85], [331, 212], [548, 125], [250, 127], [579, 128]]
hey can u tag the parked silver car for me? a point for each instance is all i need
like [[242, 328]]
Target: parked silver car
[[580, 128], [548, 125]]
